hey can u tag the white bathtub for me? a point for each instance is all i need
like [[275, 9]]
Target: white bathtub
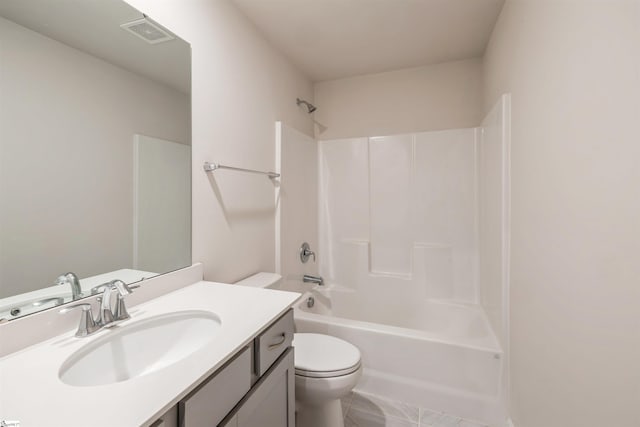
[[433, 354]]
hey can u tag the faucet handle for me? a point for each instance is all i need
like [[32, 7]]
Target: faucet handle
[[122, 288], [99, 289], [87, 325], [306, 252], [120, 311]]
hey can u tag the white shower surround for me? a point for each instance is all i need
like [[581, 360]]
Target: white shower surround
[[426, 303], [399, 193]]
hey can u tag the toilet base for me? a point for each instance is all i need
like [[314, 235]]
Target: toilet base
[[328, 414]]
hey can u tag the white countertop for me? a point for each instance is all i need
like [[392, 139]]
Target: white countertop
[[32, 393]]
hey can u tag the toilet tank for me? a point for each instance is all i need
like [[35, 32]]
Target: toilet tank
[[262, 280]]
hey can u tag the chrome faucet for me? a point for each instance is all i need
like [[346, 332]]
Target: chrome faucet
[[107, 315], [72, 280], [307, 278]]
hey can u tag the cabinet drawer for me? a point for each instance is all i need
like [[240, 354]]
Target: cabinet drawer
[[273, 342], [210, 403]]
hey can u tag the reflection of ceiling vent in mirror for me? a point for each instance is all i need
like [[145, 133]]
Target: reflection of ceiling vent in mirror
[[148, 30]]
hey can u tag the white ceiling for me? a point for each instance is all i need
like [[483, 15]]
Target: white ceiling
[[94, 27], [329, 39]]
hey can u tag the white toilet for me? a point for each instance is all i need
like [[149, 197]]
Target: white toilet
[[327, 368]]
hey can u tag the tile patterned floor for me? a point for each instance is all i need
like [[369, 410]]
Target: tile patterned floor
[[366, 410]]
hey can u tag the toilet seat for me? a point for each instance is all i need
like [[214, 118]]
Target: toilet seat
[[322, 374], [324, 356]]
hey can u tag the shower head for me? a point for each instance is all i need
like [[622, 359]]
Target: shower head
[[310, 107]]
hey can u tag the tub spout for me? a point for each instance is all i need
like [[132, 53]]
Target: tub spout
[[307, 278]]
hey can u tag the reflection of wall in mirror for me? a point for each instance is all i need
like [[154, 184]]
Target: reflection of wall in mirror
[[67, 120], [162, 204]]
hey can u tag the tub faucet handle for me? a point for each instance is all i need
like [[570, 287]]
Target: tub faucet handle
[[306, 252]]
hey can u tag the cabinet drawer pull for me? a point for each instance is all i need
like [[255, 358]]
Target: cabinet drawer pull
[[279, 343], [273, 342]]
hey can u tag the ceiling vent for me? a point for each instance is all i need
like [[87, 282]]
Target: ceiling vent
[[148, 30]]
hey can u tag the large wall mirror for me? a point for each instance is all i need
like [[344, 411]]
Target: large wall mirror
[[95, 156]]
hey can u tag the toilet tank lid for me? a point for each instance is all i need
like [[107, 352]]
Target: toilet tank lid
[[260, 280]]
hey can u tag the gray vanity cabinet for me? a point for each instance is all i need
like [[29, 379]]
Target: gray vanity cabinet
[[271, 402], [255, 388]]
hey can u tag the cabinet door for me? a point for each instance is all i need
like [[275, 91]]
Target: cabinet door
[[271, 402], [169, 419], [217, 396]]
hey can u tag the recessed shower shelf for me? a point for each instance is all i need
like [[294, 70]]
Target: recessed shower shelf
[[210, 167]]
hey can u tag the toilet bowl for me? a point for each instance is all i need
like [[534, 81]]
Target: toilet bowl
[[326, 369]]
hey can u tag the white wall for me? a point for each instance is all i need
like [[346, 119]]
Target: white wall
[[573, 68], [432, 97], [241, 86], [58, 107], [297, 199]]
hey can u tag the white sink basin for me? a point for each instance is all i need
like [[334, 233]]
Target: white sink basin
[[140, 348]]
